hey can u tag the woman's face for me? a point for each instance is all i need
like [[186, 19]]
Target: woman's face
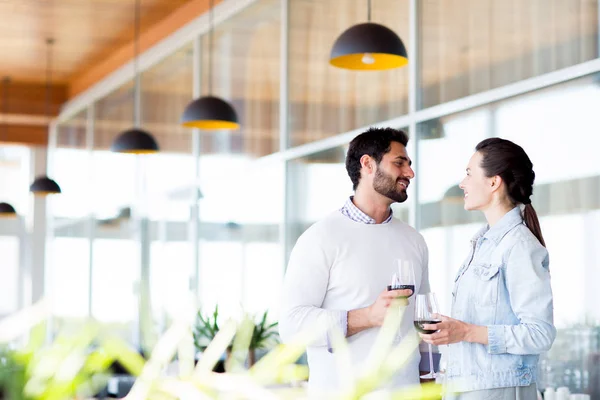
[[478, 188]]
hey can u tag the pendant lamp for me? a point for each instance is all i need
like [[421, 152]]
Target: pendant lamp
[[7, 211], [210, 112], [135, 140], [42, 185], [368, 47]]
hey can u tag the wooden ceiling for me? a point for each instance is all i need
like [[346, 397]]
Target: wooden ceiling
[[85, 33], [92, 38]]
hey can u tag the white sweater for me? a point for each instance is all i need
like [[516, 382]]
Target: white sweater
[[339, 265]]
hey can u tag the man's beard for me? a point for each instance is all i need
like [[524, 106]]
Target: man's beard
[[388, 186]]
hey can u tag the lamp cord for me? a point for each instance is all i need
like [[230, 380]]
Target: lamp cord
[[369, 11], [49, 42], [210, 45], [5, 82], [136, 94]]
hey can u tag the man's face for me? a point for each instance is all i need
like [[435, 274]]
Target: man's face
[[393, 174]]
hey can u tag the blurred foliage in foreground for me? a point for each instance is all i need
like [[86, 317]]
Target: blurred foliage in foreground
[[77, 364]]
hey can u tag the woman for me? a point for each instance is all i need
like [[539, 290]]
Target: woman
[[502, 300]]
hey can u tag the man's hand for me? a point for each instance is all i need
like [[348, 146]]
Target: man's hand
[[378, 310], [453, 331], [373, 316]]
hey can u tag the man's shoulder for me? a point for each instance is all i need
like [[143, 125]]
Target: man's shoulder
[[325, 225], [405, 228]]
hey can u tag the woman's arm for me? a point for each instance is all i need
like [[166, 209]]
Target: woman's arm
[[530, 294], [528, 283], [453, 331]]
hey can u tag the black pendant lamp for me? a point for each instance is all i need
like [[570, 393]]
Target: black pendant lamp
[[368, 47], [135, 140], [42, 185], [210, 112], [7, 211]]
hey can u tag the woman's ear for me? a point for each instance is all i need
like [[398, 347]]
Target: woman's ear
[[495, 182]]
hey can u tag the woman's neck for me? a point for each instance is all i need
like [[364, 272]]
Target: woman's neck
[[495, 212]]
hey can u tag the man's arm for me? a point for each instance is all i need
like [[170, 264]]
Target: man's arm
[[373, 316], [304, 289], [358, 321]]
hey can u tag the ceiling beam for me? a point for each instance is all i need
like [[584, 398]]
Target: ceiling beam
[[30, 99], [25, 112], [30, 135]]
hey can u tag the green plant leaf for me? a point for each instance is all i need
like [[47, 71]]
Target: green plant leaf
[[215, 349]]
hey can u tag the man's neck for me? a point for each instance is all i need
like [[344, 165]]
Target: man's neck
[[375, 205]]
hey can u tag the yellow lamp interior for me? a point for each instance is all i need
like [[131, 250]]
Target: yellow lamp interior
[[211, 124], [139, 151], [380, 61], [44, 193]]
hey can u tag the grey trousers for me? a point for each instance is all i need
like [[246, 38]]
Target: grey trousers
[[511, 393]]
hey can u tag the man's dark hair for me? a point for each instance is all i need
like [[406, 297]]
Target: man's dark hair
[[375, 142]]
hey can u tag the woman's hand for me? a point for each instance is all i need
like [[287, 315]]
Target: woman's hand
[[453, 331]]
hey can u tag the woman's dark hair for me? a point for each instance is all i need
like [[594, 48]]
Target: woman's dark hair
[[374, 142], [510, 162]]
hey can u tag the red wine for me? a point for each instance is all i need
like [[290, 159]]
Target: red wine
[[419, 326], [402, 287]]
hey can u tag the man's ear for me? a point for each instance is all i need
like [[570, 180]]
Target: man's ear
[[367, 163]]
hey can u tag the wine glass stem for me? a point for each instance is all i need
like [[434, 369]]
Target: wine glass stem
[[431, 371]]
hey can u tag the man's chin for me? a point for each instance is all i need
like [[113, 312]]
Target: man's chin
[[400, 198]]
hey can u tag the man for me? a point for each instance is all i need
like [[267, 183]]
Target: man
[[340, 267]]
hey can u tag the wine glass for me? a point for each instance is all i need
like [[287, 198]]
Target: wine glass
[[426, 306], [404, 278]]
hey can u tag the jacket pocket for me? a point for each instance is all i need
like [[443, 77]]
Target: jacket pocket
[[486, 284]]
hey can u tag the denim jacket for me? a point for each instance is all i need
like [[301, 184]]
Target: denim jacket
[[504, 284]]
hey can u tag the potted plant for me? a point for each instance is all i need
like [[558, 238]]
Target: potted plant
[[205, 328], [204, 331], [263, 336]]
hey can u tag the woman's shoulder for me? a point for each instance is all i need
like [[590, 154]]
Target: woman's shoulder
[[522, 242], [522, 234]]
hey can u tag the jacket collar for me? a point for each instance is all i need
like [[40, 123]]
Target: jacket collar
[[502, 227]]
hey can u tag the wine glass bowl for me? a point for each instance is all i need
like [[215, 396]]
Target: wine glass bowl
[[404, 277], [426, 308]]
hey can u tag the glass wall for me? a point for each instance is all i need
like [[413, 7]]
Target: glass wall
[[116, 188], [467, 46], [242, 66], [324, 100], [241, 212], [15, 175], [69, 248], [9, 284], [165, 204]]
